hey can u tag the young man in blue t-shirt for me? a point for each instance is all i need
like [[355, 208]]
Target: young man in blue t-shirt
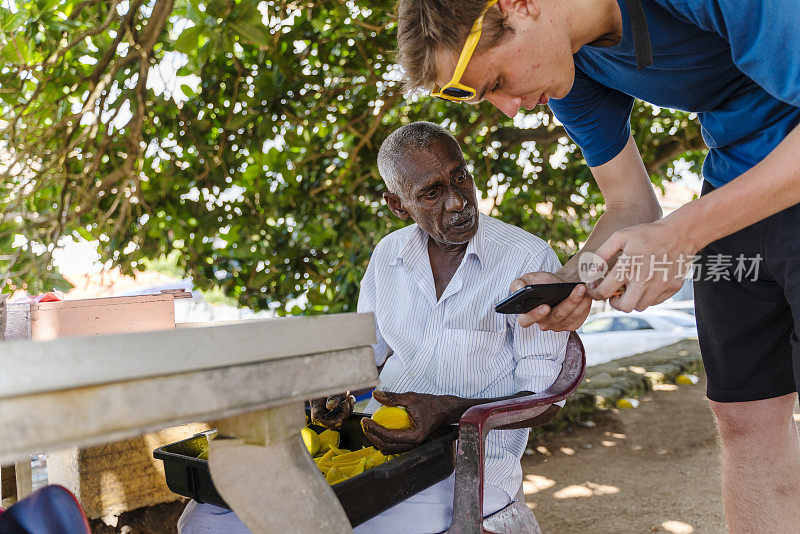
[[737, 65]]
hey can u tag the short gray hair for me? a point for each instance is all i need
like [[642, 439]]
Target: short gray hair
[[402, 142]]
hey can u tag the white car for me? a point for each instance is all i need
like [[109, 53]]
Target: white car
[[685, 306], [615, 334]]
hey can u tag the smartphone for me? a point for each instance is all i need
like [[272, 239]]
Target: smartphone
[[530, 297]]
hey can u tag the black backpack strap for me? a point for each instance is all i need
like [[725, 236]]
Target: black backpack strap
[[641, 34]]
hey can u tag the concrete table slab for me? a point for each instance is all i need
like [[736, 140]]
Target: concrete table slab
[[87, 391]]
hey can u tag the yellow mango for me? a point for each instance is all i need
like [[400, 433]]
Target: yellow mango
[[327, 439], [375, 459], [347, 471], [392, 417], [361, 453], [362, 466], [686, 379], [627, 403], [354, 469], [347, 463], [332, 475], [311, 440]]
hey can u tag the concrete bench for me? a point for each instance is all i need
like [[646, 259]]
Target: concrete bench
[[249, 379]]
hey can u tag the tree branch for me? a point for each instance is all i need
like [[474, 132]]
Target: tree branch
[[112, 11], [543, 135], [671, 148]]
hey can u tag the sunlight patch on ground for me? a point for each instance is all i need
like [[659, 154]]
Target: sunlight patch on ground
[[677, 527], [587, 489], [535, 483], [572, 492], [665, 387]]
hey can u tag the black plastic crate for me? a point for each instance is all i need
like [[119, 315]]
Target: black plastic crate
[[363, 496]]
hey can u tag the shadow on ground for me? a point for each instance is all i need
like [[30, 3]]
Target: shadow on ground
[[651, 469]]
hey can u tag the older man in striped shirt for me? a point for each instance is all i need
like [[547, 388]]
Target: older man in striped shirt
[[441, 347]]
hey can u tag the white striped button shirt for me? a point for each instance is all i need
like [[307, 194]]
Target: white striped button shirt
[[459, 345]]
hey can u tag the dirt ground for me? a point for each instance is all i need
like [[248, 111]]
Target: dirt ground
[[650, 469]]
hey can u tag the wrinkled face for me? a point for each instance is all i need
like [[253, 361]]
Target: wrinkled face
[[530, 66], [438, 193]]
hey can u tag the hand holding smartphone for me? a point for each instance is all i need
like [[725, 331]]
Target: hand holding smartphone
[[533, 296]]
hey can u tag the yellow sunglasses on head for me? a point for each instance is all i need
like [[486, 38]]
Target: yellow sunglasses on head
[[454, 90]]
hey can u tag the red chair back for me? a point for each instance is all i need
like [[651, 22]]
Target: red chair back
[[479, 420]]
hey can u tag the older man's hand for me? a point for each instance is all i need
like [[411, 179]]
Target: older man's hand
[[331, 412], [427, 412], [567, 316]]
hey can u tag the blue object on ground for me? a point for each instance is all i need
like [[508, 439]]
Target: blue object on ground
[[50, 510]]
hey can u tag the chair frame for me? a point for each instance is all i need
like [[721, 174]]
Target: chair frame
[[476, 423]]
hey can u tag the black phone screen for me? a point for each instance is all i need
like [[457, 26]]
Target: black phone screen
[[530, 297]]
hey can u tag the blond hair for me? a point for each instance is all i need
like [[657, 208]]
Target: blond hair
[[426, 28]]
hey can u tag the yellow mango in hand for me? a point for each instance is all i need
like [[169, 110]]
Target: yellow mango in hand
[[392, 417]]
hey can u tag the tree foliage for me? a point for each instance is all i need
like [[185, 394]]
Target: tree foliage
[[241, 137]]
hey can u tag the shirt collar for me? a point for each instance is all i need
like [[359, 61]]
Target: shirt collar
[[414, 247], [475, 245]]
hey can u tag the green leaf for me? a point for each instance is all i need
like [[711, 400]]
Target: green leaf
[[292, 177], [187, 90], [16, 50], [58, 282], [84, 233], [188, 40], [48, 5], [10, 22], [256, 34], [239, 121]]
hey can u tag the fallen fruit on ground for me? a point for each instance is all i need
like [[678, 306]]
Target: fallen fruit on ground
[[627, 403], [686, 379], [392, 417]]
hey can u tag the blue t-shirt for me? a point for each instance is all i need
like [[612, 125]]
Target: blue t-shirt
[[735, 63]]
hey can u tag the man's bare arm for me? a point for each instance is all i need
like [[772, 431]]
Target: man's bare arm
[[630, 200], [769, 187]]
